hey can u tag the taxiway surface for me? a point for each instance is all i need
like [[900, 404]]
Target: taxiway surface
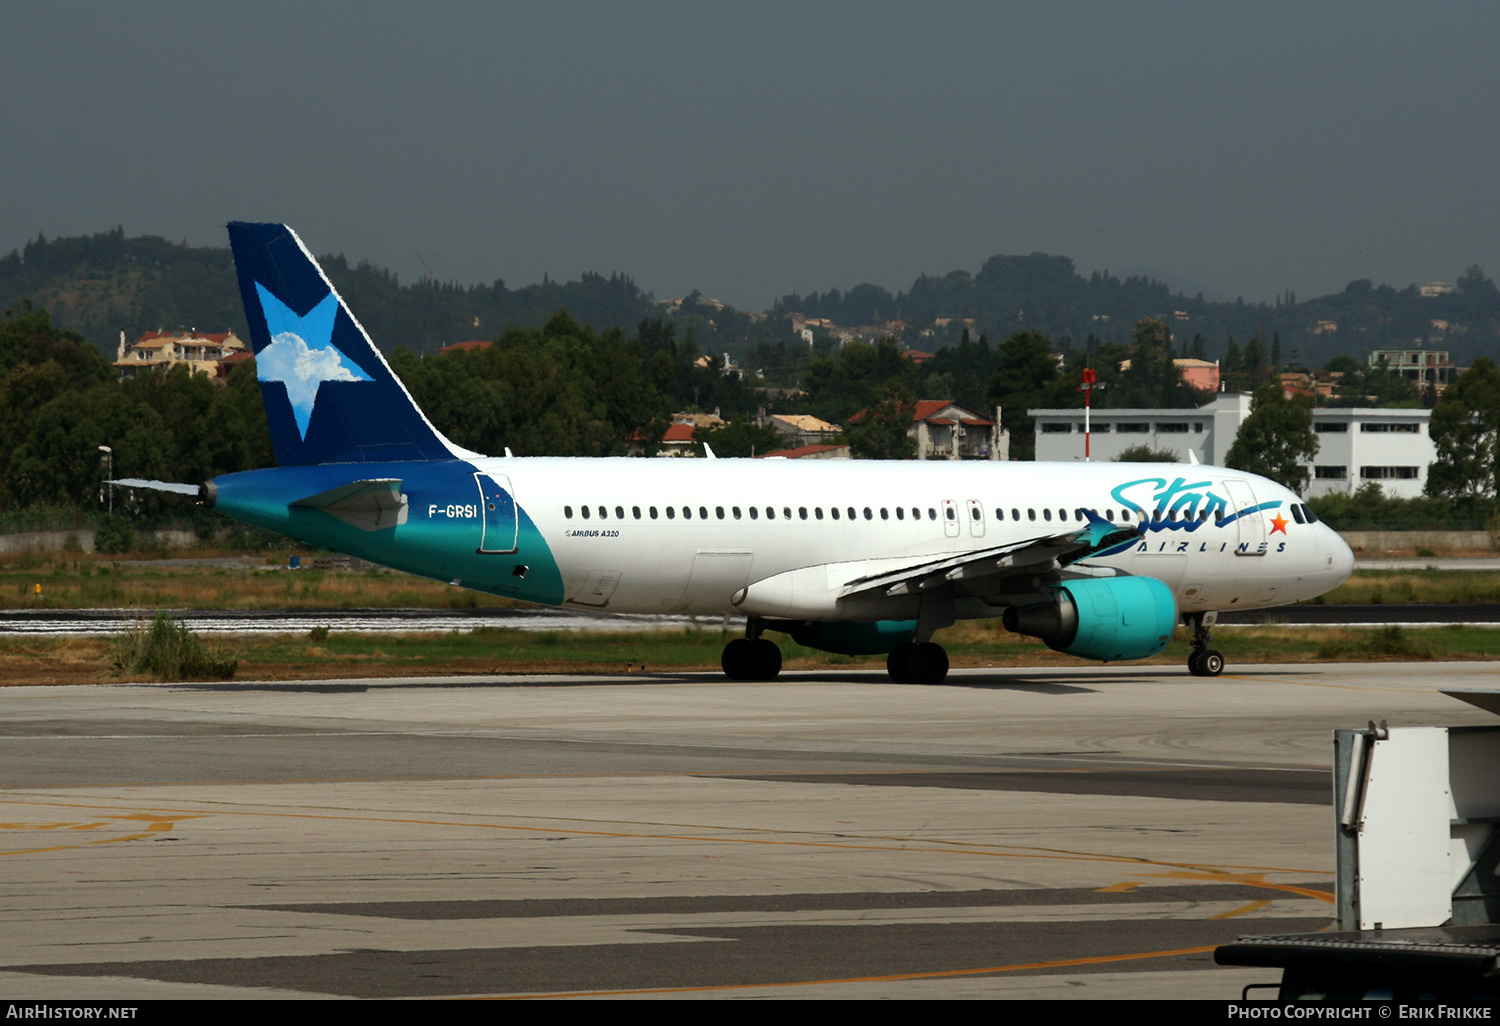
[[1020, 833]]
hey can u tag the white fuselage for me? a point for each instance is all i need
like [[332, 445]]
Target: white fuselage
[[696, 536]]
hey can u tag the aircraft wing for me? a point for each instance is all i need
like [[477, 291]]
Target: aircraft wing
[[1063, 548]]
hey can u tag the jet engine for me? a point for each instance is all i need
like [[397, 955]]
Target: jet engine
[[1109, 618]]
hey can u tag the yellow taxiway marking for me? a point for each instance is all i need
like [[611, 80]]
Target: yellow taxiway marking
[[896, 977], [1252, 875], [156, 824], [1254, 906]]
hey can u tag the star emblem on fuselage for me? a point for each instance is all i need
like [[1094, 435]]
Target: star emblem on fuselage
[[302, 355], [1278, 523]]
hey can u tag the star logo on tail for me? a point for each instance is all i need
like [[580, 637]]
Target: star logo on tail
[[302, 355]]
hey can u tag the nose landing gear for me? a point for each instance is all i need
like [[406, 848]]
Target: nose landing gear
[[1204, 661]]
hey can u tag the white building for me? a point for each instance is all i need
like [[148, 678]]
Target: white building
[[1391, 447]]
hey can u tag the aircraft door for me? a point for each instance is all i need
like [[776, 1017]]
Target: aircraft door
[[499, 529], [976, 518], [950, 518], [1251, 522]]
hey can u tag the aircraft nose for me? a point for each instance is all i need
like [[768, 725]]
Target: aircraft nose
[[1341, 556]]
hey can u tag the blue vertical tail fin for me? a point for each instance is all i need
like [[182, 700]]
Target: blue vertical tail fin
[[330, 395]]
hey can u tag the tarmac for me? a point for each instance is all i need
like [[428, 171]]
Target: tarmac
[[1089, 832]]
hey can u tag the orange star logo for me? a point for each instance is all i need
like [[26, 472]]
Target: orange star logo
[[1278, 523]]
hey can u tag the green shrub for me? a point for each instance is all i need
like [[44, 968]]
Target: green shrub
[[115, 533], [167, 650]]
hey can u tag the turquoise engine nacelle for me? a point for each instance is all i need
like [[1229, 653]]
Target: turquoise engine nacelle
[[876, 638], [1105, 618]]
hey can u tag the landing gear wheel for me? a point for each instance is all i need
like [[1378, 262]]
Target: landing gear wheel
[[927, 664], [738, 659], [898, 661], [767, 660], [744, 659], [1204, 661]]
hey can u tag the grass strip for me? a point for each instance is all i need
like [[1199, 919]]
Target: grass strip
[[497, 651]]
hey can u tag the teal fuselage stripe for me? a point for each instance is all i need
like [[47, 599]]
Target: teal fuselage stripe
[[441, 536]]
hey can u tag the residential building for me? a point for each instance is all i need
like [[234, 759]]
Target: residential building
[[162, 350], [944, 430], [1424, 366], [802, 428]]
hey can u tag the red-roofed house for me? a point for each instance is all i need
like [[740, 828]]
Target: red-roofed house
[[465, 347], [161, 350], [944, 430]]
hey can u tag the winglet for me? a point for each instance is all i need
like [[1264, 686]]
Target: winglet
[[1101, 533]]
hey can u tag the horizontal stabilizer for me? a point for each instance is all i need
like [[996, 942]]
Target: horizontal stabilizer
[[368, 505], [157, 486]]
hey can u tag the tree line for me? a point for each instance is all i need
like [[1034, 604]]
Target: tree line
[[564, 389]]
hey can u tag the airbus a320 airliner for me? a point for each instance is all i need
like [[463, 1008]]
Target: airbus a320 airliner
[[857, 557]]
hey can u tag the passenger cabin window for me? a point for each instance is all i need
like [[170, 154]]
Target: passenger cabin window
[[619, 512], [1031, 514], [1046, 514], [585, 511], [652, 511], [671, 513], [735, 512], [719, 512], [603, 512], [635, 511], [568, 512], [754, 513], [818, 512], [868, 514]]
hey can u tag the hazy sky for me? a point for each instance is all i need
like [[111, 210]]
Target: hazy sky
[[759, 148]]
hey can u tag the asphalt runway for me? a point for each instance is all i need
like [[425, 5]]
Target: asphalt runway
[[104, 622], [1075, 833]]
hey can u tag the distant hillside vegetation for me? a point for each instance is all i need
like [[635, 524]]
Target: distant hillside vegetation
[[99, 285], [1046, 294], [102, 284]]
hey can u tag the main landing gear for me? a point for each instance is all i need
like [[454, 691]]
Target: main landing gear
[[1204, 661], [751, 657], [917, 663]]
